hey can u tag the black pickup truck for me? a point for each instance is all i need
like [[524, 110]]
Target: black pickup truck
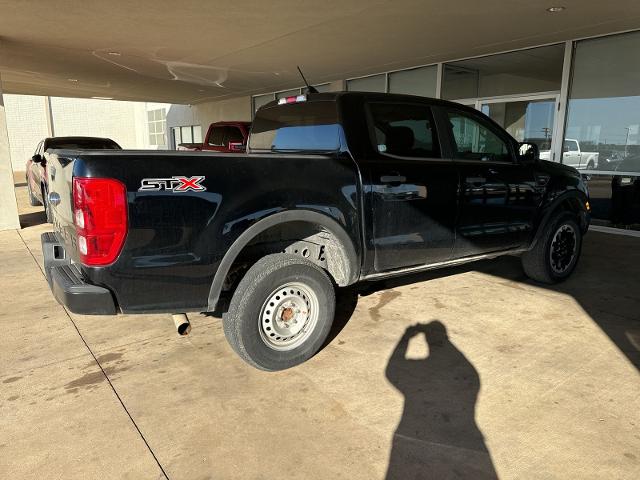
[[335, 188]]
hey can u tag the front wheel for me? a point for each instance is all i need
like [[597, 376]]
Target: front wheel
[[557, 251], [281, 312]]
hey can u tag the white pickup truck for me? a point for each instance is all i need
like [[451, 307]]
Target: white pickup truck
[[573, 156]]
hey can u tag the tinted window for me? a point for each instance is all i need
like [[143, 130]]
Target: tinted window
[[217, 136], [297, 126], [82, 144], [234, 135], [474, 140], [404, 130]]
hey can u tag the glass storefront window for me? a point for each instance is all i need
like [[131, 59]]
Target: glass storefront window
[[288, 93], [523, 72], [526, 120], [260, 100], [459, 82], [375, 83], [418, 81], [325, 87], [603, 117]]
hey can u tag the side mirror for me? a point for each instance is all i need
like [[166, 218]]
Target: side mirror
[[236, 146], [37, 158], [528, 152]]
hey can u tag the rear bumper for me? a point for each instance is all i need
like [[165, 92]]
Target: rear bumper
[[67, 283]]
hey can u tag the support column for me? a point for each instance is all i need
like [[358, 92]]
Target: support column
[[8, 203]]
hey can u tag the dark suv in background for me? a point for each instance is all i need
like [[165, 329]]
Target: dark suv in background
[[36, 167]]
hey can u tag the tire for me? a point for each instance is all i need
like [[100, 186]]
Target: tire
[[33, 201], [47, 207], [556, 254], [281, 312]]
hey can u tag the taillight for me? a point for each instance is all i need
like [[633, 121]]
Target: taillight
[[100, 216]]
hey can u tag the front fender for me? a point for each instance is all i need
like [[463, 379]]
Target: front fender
[[576, 200]]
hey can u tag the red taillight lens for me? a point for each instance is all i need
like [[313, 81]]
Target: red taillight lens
[[100, 216]]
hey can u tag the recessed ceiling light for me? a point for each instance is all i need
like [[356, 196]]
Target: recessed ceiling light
[[555, 9], [74, 80], [103, 98], [114, 54]]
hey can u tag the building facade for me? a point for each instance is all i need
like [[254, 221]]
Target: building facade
[[578, 100], [133, 125]]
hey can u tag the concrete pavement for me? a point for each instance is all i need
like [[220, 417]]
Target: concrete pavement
[[474, 371]]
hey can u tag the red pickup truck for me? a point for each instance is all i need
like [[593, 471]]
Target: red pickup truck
[[226, 137]]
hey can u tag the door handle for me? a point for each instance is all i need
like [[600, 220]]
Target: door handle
[[393, 179]]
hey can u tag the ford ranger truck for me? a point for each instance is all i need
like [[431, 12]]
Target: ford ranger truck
[[334, 189]]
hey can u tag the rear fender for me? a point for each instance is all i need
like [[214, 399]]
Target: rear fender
[[351, 263]]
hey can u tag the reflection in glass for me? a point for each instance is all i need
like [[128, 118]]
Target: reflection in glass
[[603, 118], [527, 121], [603, 125]]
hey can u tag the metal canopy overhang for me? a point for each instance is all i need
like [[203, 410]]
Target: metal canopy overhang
[[197, 51]]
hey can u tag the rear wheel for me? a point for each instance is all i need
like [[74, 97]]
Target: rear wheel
[[47, 207], [556, 254], [33, 201], [281, 312]]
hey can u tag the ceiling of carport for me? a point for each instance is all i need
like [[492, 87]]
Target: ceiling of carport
[[194, 51]]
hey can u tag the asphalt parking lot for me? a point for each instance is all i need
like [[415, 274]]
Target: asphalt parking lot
[[471, 372]]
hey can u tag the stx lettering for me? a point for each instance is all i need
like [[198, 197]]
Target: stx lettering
[[174, 184]]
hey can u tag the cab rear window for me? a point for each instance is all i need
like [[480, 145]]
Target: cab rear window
[[303, 126]]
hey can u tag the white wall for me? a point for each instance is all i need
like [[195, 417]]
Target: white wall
[[95, 118], [26, 124], [124, 122]]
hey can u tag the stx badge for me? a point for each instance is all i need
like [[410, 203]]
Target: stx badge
[[173, 184]]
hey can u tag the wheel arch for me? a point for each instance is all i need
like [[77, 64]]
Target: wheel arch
[[344, 272], [572, 201]]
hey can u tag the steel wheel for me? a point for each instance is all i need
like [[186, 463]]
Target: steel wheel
[[288, 316], [563, 249]]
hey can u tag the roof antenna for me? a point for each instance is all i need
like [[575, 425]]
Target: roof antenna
[[309, 88]]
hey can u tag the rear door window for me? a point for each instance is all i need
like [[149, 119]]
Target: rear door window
[[304, 126], [404, 130]]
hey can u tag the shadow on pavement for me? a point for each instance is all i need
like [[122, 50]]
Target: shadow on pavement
[[606, 284], [32, 219], [437, 437]]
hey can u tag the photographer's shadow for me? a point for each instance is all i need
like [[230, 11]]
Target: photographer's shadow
[[437, 437]]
